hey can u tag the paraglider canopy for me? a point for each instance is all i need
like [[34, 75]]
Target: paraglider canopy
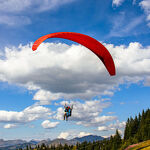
[[95, 46]]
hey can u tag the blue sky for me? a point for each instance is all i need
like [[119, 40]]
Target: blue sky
[[34, 86]]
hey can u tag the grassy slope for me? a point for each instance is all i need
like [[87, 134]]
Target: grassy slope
[[141, 146]]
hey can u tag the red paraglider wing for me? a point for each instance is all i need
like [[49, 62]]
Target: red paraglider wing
[[87, 41]]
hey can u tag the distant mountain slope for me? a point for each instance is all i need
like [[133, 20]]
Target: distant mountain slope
[[55, 142], [14, 144], [17, 146], [89, 138], [4, 143]]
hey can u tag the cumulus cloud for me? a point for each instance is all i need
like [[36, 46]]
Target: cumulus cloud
[[86, 113], [73, 133], [63, 135], [102, 128], [63, 71], [16, 12], [145, 4], [103, 119], [117, 125], [73, 72], [81, 134], [8, 126], [45, 97], [117, 2], [48, 125], [29, 114]]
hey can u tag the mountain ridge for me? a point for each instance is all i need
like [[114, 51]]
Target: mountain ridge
[[21, 143]]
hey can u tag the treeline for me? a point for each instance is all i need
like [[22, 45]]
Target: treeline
[[137, 129]]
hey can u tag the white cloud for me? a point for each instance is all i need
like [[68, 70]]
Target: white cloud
[[81, 134], [16, 12], [106, 136], [121, 27], [17, 6], [105, 99], [60, 113], [103, 119], [73, 133], [29, 114], [117, 2], [45, 97], [53, 74], [63, 135], [148, 17], [120, 132], [72, 72], [47, 124], [8, 126], [14, 5], [117, 125], [102, 128], [14, 20], [86, 113], [145, 4]]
